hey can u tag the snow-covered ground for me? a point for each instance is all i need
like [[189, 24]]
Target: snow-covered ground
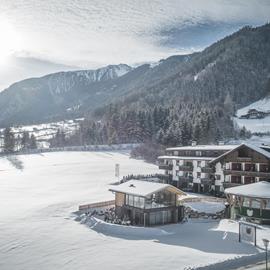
[[206, 207], [255, 125], [39, 192]]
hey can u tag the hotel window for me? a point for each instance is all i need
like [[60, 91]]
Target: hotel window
[[198, 153], [198, 175], [218, 177], [199, 163]]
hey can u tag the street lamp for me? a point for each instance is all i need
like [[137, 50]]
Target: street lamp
[[266, 243]]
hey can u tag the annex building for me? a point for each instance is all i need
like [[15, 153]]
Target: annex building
[[147, 203]]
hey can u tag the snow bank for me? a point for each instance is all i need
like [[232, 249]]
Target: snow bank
[[100, 226]]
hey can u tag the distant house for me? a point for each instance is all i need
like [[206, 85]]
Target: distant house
[[147, 203], [254, 114], [251, 202]]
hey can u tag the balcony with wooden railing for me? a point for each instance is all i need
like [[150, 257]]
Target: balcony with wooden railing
[[186, 168], [247, 173], [186, 179], [207, 181], [229, 185], [207, 170], [167, 167]]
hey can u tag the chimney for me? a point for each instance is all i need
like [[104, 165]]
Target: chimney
[[193, 143]]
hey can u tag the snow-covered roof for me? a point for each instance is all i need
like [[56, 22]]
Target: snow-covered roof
[[251, 146], [143, 188], [185, 158], [255, 190], [210, 147]]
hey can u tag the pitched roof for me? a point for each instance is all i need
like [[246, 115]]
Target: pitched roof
[[255, 190], [143, 188], [211, 147], [251, 146], [185, 158]]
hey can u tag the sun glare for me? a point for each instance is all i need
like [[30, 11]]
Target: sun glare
[[9, 41]]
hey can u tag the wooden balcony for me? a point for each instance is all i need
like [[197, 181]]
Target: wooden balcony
[[185, 168], [207, 181], [229, 185], [207, 170], [247, 173], [185, 179], [167, 167]]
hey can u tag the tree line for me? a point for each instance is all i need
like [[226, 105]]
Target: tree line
[[12, 142]]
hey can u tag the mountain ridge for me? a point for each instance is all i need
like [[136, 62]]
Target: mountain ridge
[[237, 65]]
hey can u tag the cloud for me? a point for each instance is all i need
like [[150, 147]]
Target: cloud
[[98, 32]]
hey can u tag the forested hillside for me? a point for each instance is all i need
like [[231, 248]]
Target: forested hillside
[[195, 100]]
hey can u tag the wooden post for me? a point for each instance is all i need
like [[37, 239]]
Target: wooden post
[[239, 232]]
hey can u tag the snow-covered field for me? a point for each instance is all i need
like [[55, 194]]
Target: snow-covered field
[[254, 125], [38, 193]]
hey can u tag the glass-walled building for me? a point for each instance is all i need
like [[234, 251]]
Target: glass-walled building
[[147, 203]]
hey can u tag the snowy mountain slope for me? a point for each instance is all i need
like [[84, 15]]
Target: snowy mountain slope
[[255, 125], [67, 95], [57, 96]]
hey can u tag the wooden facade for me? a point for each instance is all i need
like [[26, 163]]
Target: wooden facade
[[155, 208]]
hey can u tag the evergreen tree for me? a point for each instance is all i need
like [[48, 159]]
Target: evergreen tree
[[32, 142], [9, 140]]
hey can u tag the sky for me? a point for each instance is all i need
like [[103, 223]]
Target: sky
[[94, 33]]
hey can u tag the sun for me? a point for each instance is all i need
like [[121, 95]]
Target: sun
[[9, 41]]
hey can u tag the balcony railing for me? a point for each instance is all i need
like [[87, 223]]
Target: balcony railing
[[185, 168], [207, 181], [207, 170], [228, 184], [167, 167], [186, 179], [247, 173]]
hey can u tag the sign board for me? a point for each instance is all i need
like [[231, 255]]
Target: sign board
[[247, 232], [117, 170]]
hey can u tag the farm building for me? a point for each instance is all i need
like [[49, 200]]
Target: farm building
[[251, 202], [147, 203]]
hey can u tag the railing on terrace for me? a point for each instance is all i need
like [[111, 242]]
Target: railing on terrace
[[208, 170], [167, 167], [185, 168], [247, 173], [89, 206]]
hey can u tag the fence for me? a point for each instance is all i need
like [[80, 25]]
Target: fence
[[113, 147], [85, 207]]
